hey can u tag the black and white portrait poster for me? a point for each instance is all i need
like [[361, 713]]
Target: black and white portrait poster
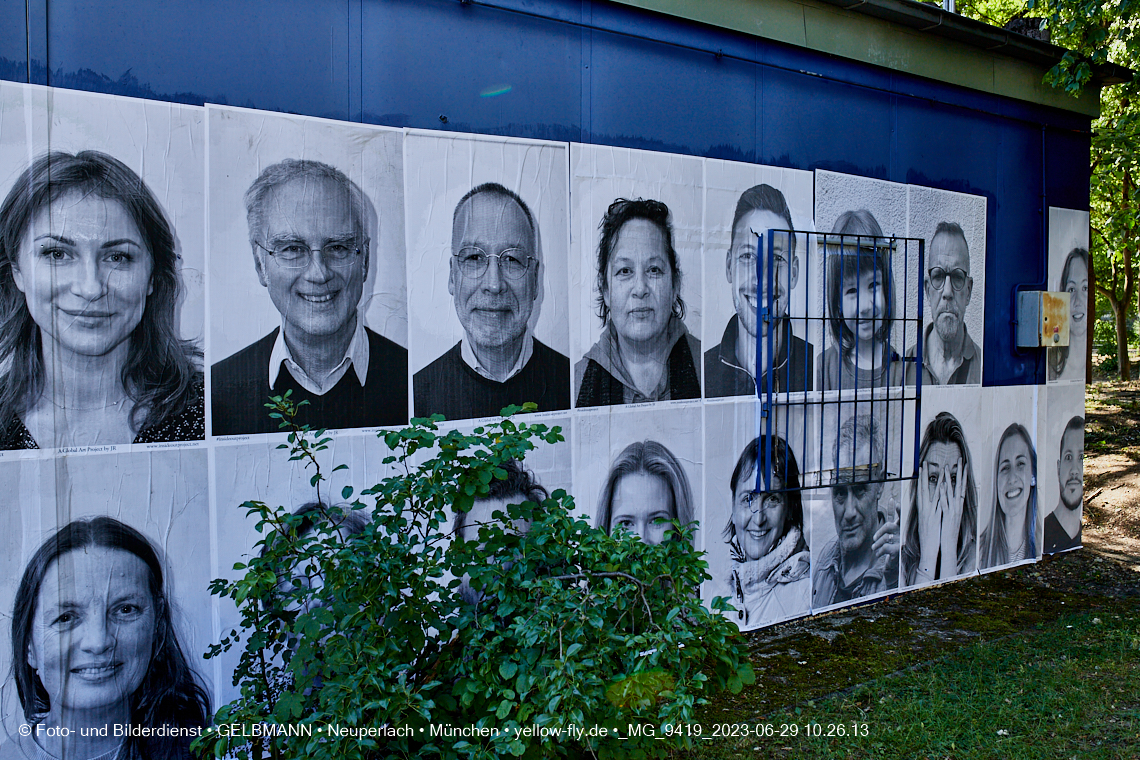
[[868, 293], [866, 452], [634, 468], [885, 418], [487, 239], [123, 515], [845, 528], [1009, 515], [953, 226], [546, 469], [756, 538], [742, 201], [1061, 466], [636, 316], [109, 267], [942, 505], [1069, 273], [307, 284], [262, 472]]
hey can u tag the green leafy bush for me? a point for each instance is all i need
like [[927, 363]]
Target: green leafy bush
[[1104, 340], [572, 627], [1104, 334]]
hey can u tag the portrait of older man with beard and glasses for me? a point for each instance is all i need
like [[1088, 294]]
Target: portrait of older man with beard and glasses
[[949, 354]]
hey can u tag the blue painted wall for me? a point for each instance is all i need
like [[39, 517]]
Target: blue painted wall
[[585, 71]]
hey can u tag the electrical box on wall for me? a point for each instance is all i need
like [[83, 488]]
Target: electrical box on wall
[[1042, 319]]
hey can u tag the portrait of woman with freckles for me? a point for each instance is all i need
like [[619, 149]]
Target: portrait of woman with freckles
[[646, 491], [645, 352], [1011, 535], [94, 646], [89, 283]]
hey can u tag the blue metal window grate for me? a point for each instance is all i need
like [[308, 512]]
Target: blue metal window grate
[[849, 412]]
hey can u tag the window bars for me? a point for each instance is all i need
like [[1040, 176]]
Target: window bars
[[835, 389]]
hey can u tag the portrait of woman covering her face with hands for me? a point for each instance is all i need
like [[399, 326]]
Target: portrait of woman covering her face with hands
[[942, 519], [94, 646], [765, 532], [89, 285], [646, 352]]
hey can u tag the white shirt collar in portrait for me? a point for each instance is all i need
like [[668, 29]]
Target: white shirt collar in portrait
[[472, 362], [357, 356]]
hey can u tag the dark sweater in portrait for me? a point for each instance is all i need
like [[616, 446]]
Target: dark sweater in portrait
[[450, 387], [241, 389], [1056, 539], [603, 380], [600, 388], [726, 376]]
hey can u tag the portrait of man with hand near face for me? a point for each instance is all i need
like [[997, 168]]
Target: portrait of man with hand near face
[[864, 557], [494, 278], [308, 231]]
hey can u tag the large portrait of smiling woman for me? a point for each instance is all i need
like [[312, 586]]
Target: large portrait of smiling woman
[[105, 593], [99, 335]]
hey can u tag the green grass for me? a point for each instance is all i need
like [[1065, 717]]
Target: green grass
[[795, 663], [1066, 688], [1040, 661]]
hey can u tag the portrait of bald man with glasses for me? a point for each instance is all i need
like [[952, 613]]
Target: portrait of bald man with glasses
[[308, 230], [949, 355], [494, 277]]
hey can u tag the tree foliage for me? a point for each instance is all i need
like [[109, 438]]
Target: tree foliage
[[1093, 32], [995, 12], [573, 626], [1097, 32], [1115, 211]]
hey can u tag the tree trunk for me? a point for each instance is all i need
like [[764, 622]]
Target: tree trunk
[[1120, 317], [1129, 242]]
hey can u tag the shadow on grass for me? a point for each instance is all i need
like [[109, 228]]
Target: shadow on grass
[[939, 672]]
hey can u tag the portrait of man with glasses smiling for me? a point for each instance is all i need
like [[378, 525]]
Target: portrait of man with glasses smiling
[[308, 230], [949, 354], [494, 278]]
